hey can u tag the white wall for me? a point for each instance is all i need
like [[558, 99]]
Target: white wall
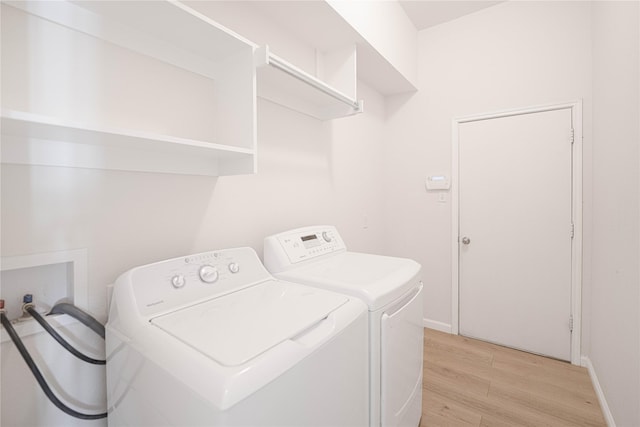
[[387, 28], [512, 55], [365, 174], [310, 172], [615, 289], [518, 54]]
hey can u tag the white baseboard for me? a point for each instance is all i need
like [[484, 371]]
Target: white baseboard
[[438, 326], [606, 412]]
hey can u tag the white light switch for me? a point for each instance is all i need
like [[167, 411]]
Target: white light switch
[[437, 182]]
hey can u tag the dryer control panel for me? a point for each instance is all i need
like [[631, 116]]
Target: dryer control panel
[[302, 244]]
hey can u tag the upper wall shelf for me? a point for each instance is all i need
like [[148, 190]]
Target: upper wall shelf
[[153, 86], [170, 91], [166, 30], [286, 84]]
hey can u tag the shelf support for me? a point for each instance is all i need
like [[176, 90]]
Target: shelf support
[[263, 58]]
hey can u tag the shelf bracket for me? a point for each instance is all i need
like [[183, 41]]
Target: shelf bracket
[[264, 58]]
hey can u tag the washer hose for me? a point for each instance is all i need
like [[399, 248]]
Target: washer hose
[[71, 349], [75, 312], [41, 381]]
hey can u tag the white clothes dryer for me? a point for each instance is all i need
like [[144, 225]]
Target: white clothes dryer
[[391, 287], [213, 339]]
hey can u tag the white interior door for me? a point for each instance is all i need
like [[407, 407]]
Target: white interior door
[[515, 228]]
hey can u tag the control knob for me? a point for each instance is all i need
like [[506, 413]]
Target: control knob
[[326, 237], [234, 267], [178, 281], [208, 273]]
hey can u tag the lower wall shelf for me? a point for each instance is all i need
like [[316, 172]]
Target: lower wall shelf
[[38, 140]]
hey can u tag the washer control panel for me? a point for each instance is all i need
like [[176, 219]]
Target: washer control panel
[[174, 283], [303, 244]]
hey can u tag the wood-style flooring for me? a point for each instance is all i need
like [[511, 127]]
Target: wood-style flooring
[[473, 383]]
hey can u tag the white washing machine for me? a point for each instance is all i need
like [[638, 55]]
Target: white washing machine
[[213, 339], [391, 288]]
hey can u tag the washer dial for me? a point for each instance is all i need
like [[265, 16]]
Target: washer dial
[[208, 273], [178, 281]]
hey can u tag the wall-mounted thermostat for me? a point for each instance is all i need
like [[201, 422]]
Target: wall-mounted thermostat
[[437, 182]]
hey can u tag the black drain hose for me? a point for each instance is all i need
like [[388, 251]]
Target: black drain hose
[[41, 381], [71, 349], [75, 312]]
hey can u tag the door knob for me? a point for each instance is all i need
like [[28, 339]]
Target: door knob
[[466, 240]]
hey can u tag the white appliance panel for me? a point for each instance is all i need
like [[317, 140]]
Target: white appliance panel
[[176, 283], [401, 371], [247, 323], [392, 290], [233, 347], [375, 279], [285, 250]]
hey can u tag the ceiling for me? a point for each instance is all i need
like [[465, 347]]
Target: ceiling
[[427, 13], [318, 25]]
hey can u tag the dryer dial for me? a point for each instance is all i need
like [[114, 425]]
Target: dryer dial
[[208, 273]]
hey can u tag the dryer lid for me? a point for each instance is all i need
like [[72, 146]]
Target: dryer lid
[[375, 279], [235, 328]]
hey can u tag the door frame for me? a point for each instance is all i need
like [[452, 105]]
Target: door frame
[[576, 207]]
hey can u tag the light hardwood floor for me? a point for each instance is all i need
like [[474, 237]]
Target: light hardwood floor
[[472, 383]]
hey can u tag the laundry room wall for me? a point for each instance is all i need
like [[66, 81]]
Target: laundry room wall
[[511, 55], [309, 172], [519, 54], [615, 315]]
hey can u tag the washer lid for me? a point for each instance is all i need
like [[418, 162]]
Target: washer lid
[[235, 328], [375, 279]]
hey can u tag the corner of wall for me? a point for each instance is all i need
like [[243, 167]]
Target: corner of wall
[[604, 406], [436, 325]]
